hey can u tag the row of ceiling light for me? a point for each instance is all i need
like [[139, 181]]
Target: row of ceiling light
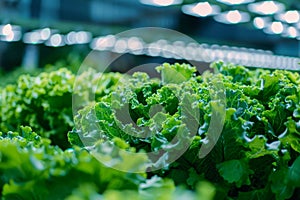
[[161, 48], [49, 37], [195, 52], [271, 16], [272, 19]]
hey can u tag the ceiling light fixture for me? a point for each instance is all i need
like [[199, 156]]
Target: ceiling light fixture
[[202, 9], [266, 7], [235, 2], [291, 16], [291, 32], [261, 22], [277, 27], [232, 17], [161, 3]]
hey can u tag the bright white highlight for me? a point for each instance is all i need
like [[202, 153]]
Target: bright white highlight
[[266, 7], [277, 27]]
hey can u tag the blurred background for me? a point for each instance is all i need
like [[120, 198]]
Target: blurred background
[[34, 33]]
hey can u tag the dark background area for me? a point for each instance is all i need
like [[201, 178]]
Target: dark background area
[[102, 17]]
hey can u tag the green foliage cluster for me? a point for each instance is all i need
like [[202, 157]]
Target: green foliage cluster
[[258, 152], [44, 102], [32, 168], [256, 156]]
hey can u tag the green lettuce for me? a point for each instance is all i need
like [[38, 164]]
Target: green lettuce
[[259, 140]]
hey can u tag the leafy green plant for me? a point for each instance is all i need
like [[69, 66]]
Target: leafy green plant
[[257, 153], [31, 168], [44, 102]]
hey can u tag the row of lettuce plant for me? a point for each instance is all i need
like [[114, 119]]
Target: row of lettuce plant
[[256, 156]]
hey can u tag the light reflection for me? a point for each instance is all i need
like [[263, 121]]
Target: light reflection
[[161, 3], [104, 42], [277, 27], [190, 52], [10, 33], [83, 37], [120, 46], [208, 53], [32, 38], [11, 37], [7, 29], [235, 2], [164, 2], [292, 32], [179, 47], [266, 7], [135, 45], [154, 49], [45, 33], [37, 36], [168, 51], [202, 9], [55, 40], [233, 17], [291, 16], [70, 38], [259, 22]]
